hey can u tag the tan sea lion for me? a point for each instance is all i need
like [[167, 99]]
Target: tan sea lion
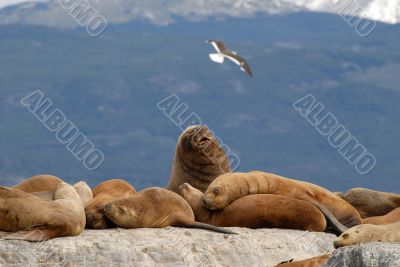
[[155, 208], [103, 193], [391, 217], [39, 183], [231, 186], [257, 211], [35, 219], [44, 187], [198, 160], [313, 262], [367, 233], [371, 203]]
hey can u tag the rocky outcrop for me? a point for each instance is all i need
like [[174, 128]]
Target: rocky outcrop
[[372, 254], [191, 247], [168, 247]]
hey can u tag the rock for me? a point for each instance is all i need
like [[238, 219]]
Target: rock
[[168, 247], [371, 254]]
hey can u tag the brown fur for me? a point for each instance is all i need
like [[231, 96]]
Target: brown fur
[[35, 219], [257, 211], [391, 217], [199, 159], [45, 186], [39, 183], [313, 262], [371, 203], [104, 193], [229, 187], [366, 233], [154, 208]]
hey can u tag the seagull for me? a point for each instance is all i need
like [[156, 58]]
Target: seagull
[[224, 52]]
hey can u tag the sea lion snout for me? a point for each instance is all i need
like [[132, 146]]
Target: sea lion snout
[[207, 202], [337, 244]]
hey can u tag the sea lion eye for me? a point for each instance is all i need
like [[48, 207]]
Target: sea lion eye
[[121, 210], [346, 236]]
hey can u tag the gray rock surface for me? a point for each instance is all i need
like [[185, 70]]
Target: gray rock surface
[[367, 255], [168, 247]]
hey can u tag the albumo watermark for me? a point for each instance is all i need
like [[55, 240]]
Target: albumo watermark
[[86, 15], [65, 131], [336, 133]]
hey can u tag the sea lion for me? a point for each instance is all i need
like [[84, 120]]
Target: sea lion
[[44, 187], [103, 193], [39, 183], [391, 217], [231, 186], [35, 219], [367, 233], [313, 262], [198, 160], [371, 203], [257, 211], [155, 208]]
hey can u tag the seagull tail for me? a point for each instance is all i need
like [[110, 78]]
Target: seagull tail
[[218, 58]]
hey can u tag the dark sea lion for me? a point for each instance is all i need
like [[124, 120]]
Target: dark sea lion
[[155, 208], [35, 219], [367, 233], [371, 203], [198, 160], [103, 193], [257, 211], [231, 186]]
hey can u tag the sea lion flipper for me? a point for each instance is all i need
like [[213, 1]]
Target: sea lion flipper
[[338, 227], [205, 226], [34, 235]]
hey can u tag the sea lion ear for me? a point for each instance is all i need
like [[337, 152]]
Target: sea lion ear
[[217, 191]]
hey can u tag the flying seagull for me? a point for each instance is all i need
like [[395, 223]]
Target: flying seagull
[[224, 52]]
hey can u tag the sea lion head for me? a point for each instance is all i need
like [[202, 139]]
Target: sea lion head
[[84, 192], [95, 216], [202, 146], [189, 193], [124, 212], [356, 235], [215, 197]]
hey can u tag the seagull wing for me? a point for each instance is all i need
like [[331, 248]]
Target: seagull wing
[[238, 60], [219, 46]]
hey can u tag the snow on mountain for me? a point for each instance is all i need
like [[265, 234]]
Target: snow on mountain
[[162, 12]]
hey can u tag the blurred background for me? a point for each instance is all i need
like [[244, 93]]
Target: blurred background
[[109, 86]]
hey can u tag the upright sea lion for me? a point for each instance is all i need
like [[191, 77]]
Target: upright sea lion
[[257, 211], [313, 262], [155, 208], [372, 203], [391, 217], [231, 186], [198, 160], [35, 219], [366, 233], [39, 183], [103, 193]]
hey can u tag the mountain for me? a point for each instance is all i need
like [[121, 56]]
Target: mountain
[[50, 13]]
